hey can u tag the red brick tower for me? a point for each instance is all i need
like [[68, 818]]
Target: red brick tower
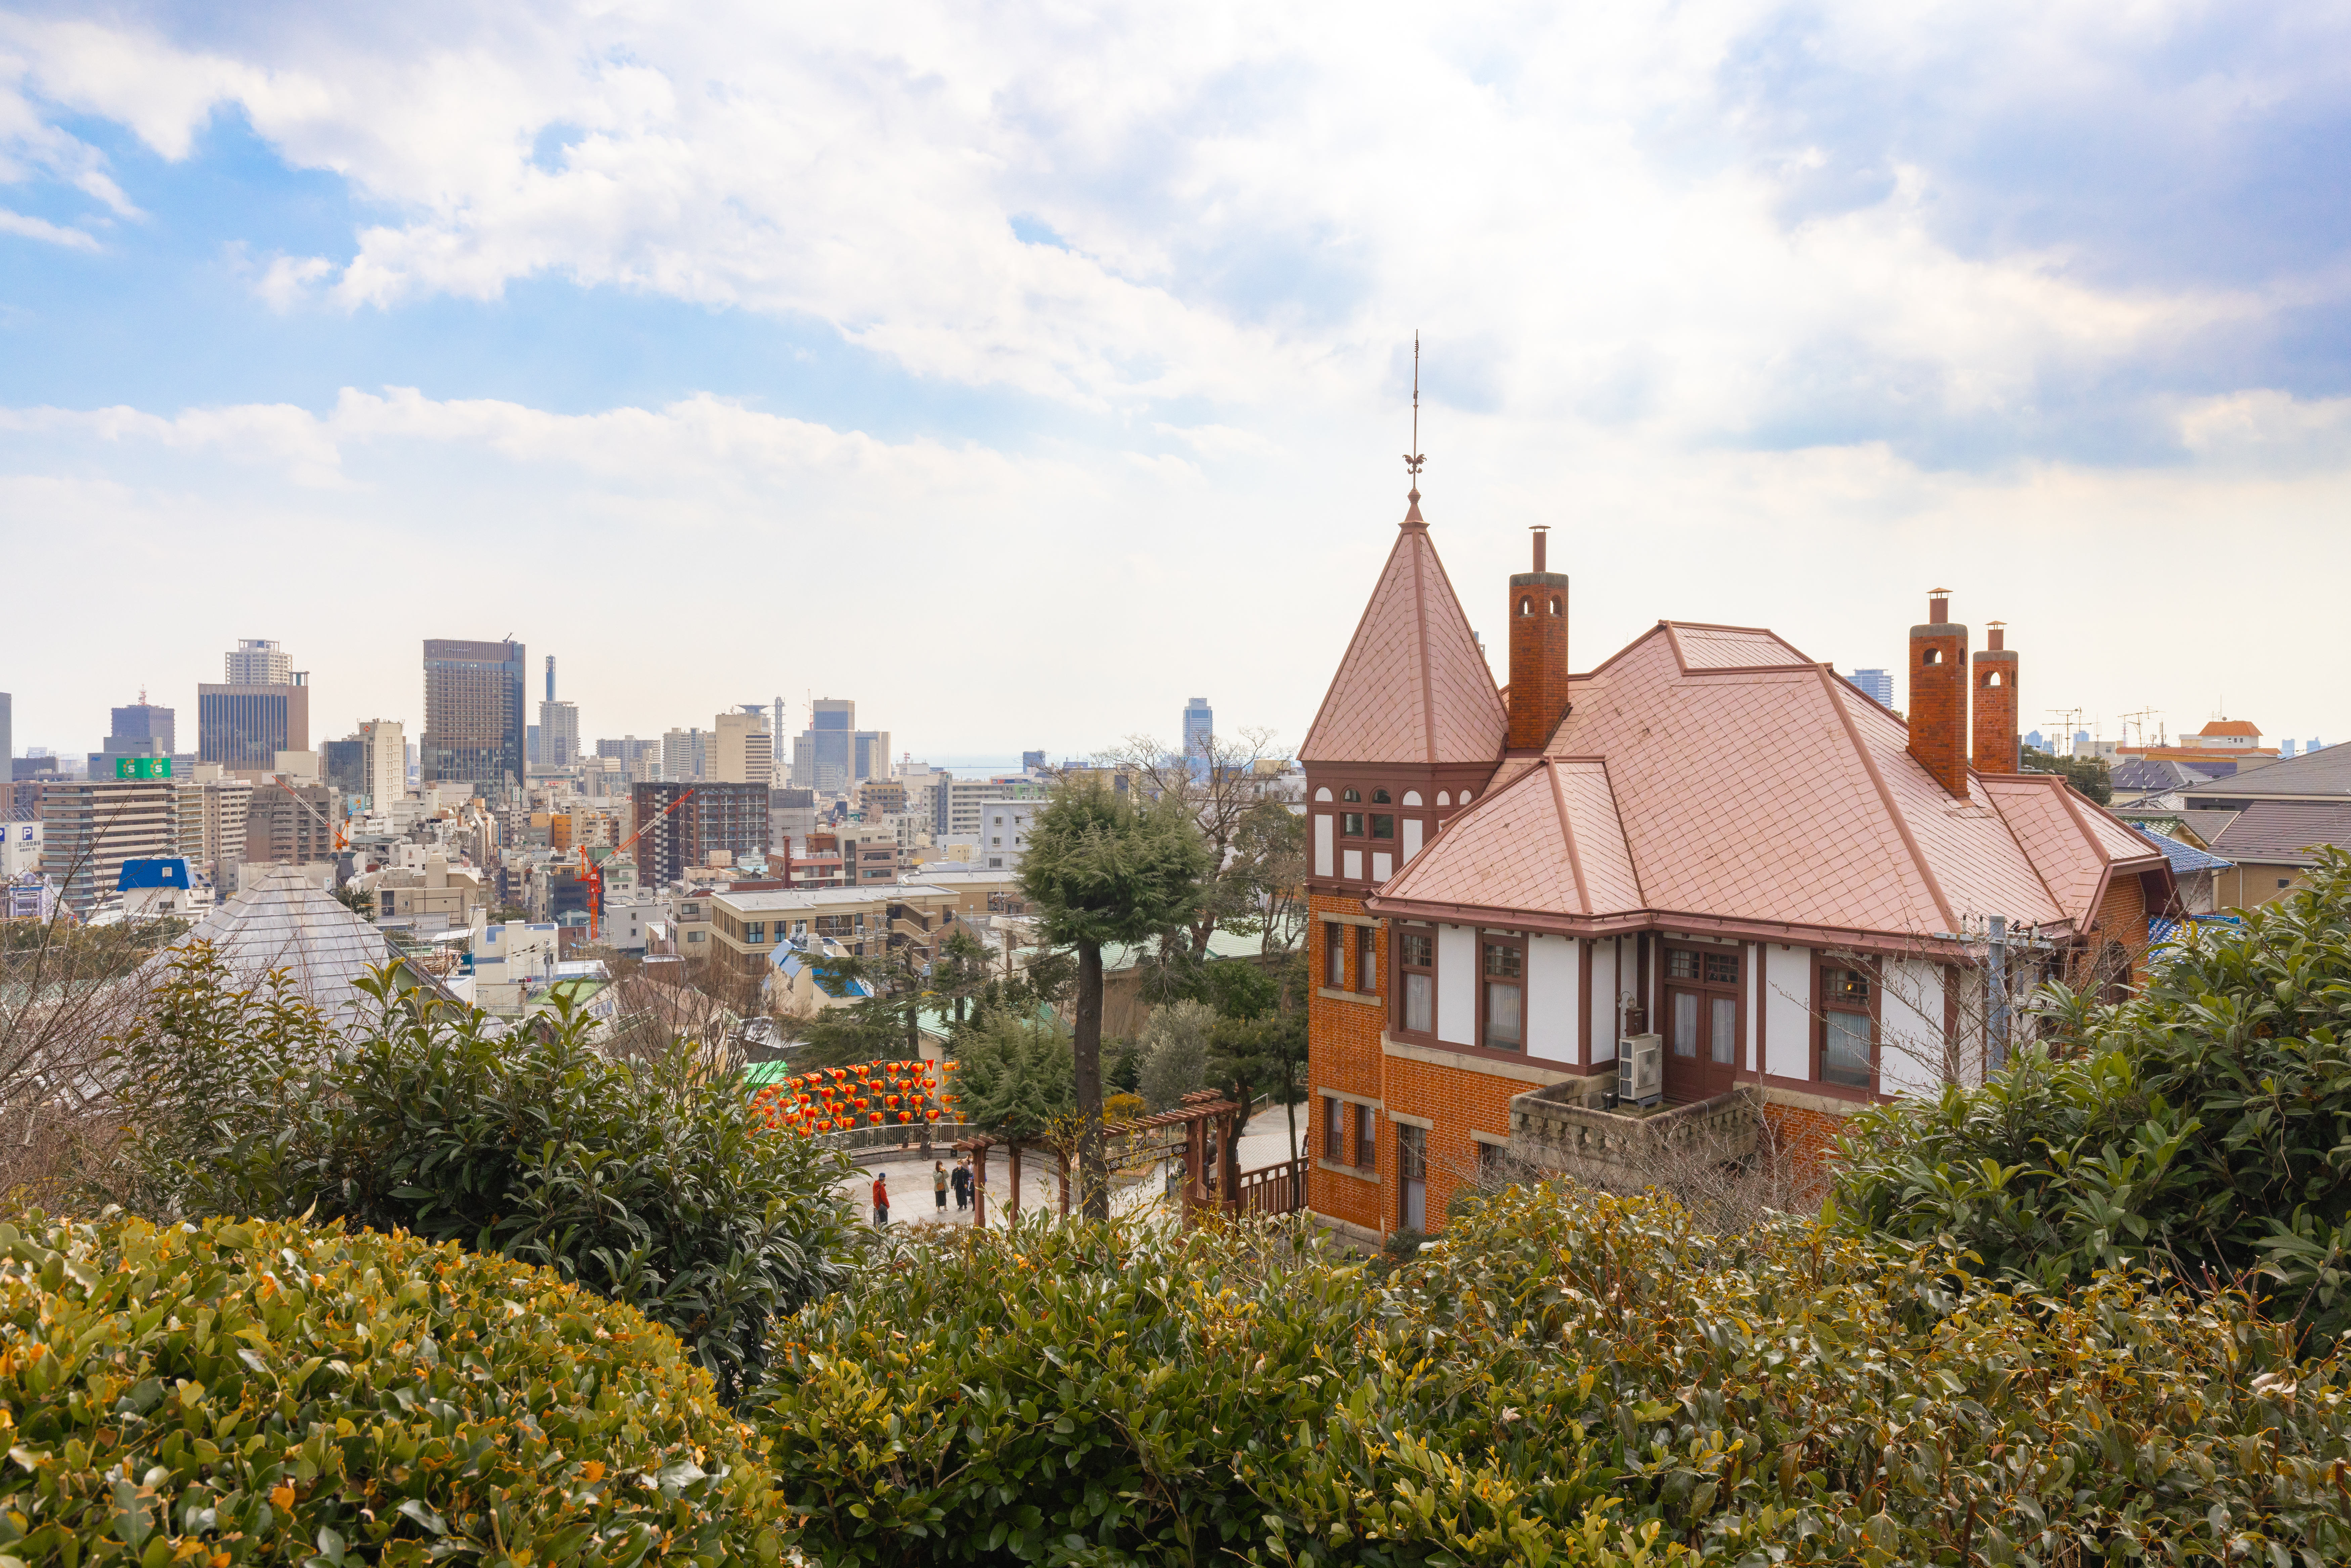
[[1995, 704], [1939, 695], [1538, 652]]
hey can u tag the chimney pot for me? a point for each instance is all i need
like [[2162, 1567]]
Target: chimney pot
[[1542, 532], [1939, 605]]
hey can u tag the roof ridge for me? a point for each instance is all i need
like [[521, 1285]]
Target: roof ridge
[[1567, 832], [1420, 624], [1886, 799]]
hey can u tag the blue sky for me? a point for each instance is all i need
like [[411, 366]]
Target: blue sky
[[722, 348]]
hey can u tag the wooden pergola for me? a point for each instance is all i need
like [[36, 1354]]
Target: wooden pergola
[[1213, 1180]]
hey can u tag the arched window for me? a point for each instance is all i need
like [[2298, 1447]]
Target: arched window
[[1351, 795], [1554, 604], [1443, 800], [1412, 797], [1379, 797], [1323, 793], [1931, 656], [1526, 605], [1991, 677]]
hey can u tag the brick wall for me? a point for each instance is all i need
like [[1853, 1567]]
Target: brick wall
[[1804, 1134], [1458, 1100], [1342, 1052], [1537, 613], [1995, 702], [1939, 701]]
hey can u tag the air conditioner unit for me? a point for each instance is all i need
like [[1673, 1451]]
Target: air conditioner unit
[[1641, 1069]]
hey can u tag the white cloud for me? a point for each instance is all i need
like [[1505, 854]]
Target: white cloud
[[42, 229]]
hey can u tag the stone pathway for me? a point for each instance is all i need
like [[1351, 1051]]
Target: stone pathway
[[911, 1203]]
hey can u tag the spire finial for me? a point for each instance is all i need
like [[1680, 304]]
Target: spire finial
[[1413, 459]]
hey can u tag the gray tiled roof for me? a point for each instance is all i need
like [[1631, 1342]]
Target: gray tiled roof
[[2317, 774], [2278, 833], [2184, 858]]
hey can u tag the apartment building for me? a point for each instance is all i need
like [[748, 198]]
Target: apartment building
[[90, 826], [724, 820], [209, 811], [748, 928]]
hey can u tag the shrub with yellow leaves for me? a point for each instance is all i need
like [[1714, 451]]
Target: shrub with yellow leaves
[[232, 1393]]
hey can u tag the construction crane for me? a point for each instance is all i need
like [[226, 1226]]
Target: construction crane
[[334, 829], [593, 874]]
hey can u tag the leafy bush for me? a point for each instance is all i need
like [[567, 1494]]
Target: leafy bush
[[1559, 1379], [1016, 1076], [644, 1180], [2204, 1125], [1174, 1053], [247, 1393]]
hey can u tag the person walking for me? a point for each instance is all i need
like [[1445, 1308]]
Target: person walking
[[939, 1185], [962, 1182], [880, 1199]]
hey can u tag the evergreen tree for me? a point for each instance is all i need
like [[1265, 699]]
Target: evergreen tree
[[1099, 870]]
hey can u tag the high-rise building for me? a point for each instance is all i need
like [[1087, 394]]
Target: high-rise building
[[90, 826], [1878, 686], [473, 714], [386, 770], [141, 729], [291, 825], [834, 756], [257, 662], [7, 732], [209, 813], [559, 733], [263, 708], [721, 819], [1199, 727], [741, 750], [684, 756], [343, 763]]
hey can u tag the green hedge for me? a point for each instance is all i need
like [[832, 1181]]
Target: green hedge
[[2204, 1127], [1560, 1378], [248, 1393]]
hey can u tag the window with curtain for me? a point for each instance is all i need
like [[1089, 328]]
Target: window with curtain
[[1417, 961]]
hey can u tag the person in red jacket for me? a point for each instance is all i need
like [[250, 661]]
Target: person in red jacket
[[880, 1199]]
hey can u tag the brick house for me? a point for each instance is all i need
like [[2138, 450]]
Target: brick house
[[1506, 884]]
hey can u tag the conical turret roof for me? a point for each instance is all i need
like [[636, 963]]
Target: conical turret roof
[[1412, 688]]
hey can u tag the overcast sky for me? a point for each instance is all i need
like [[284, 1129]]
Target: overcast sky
[[1021, 371]]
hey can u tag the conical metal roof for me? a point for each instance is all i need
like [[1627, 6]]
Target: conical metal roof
[[288, 923]]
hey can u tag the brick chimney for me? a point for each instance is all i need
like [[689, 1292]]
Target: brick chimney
[[1939, 695], [1995, 704], [1538, 652]]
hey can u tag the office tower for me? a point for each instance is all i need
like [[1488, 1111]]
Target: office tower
[[834, 756], [721, 819], [261, 709], [684, 756], [7, 732], [144, 729], [1199, 725], [550, 678], [343, 763], [257, 662], [1032, 762], [90, 826], [210, 811], [473, 714], [1879, 684], [530, 743], [559, 733], [741, 750]]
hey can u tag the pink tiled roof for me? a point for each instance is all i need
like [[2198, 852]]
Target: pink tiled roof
[[1751, 785], [1412, 686], [1552, 838]]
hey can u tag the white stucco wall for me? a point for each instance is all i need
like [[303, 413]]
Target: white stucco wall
[[1554, 970], [1602, 1001], [1457, 985], [1788, 1011], [1910, 1027]]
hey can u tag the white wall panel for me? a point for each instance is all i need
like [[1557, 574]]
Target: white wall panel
[[1788, 1011], [1351, 865], [1554, 973], [1411, 838], [1457, 985], [1603, 1000], [1910, 1027], [1323, 845]]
